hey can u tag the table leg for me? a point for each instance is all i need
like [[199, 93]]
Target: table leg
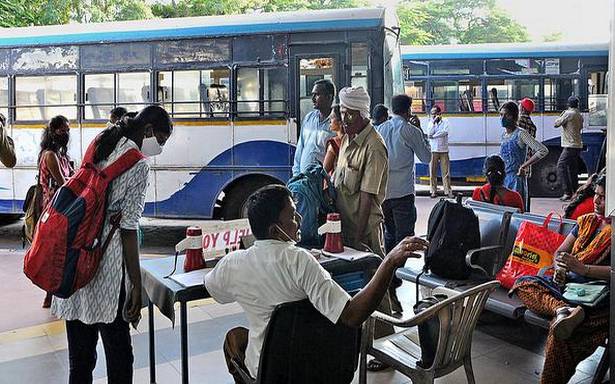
[[184, 341], [152, 347]]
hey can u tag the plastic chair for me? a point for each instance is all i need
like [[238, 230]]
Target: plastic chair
[[302, 346], [457, 315]]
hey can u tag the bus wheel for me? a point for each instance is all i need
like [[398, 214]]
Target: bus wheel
[[234, 204], [544, 181]]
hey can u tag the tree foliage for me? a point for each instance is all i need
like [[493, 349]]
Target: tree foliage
[[457, 21], [183, 8]]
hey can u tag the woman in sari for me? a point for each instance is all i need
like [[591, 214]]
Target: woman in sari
[[575, 332]]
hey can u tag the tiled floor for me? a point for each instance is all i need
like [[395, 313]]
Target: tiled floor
[[33, 345], [38, 354]]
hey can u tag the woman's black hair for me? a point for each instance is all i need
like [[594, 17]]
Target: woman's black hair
[[512, 108], [49, 140], [584, 192], [494, 169], [154, 117], [264, 208]]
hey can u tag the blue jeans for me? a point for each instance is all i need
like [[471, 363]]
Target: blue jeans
[[399, 220]]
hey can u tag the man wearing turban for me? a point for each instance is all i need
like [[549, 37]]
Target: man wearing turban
[[360, 181]]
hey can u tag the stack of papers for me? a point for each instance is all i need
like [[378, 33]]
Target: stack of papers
[[190, 279], [349, 254]]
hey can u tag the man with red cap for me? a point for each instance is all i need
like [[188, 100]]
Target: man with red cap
[[526, 106]]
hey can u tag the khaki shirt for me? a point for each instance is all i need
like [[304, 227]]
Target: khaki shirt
[[7, 149], [571, 122], [362, 166]]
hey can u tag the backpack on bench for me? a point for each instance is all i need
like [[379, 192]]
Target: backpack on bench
[[452, 231]]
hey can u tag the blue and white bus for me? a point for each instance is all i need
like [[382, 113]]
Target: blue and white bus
[[236, 86], [469, 82]]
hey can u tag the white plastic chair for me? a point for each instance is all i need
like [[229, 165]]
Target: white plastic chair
[[458, 316]]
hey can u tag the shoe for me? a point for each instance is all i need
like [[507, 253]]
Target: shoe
[[433, 195], [47, 301], [567, 319], [376, 366], [565, 197]]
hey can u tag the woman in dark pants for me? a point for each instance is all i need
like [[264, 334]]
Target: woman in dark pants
[[112, 300]]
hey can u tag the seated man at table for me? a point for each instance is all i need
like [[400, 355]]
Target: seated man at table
[[275, 271]]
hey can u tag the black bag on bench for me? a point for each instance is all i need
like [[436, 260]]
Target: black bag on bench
[[452, 231]]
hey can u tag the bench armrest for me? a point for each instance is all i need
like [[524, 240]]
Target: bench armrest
[[474, 253]]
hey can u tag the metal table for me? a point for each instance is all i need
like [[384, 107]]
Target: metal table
[[164, 293]]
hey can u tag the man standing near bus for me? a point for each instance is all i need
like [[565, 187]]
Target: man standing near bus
[[360, 181], [438, 139], [571, 122], [315, 130], [403, 141], [525, 121], [7, 146]]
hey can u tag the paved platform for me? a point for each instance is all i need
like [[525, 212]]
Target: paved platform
[[33, 344]]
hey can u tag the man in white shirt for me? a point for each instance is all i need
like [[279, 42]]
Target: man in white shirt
[[275, 271], [438, 139]]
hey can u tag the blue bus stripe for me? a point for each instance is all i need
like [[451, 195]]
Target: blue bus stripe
[[500, 55], [201, 31]]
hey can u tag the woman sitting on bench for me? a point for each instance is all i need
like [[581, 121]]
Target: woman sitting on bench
[[494, 191], [576, 332]]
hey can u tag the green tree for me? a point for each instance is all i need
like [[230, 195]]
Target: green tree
[[94, 11], [20, 13], [183, 8], [457, 21]]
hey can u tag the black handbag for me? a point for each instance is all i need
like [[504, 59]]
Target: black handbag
[[429, 330]]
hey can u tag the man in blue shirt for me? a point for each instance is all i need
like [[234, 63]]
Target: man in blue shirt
[[403, 141], [315, 131]]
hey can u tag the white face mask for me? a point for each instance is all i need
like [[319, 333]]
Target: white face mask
[[151, 147], [289, 239]]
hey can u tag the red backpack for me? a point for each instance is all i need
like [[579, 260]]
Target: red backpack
[[67, 245]]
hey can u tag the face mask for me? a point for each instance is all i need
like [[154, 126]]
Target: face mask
[[151, 147], [289, 239], [62, 139], [506, 122]]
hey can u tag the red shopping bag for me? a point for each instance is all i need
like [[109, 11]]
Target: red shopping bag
[[534, 248]]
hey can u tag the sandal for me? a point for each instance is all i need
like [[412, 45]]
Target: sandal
[[375, 365]]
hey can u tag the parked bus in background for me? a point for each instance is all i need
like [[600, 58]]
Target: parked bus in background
[[470, 82], [237, 88]]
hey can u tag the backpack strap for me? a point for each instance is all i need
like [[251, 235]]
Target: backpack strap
[[123, 163]]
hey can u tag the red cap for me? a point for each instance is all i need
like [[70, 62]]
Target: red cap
[[527, 104]]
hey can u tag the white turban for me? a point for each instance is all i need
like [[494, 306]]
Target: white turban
[[355, 98]]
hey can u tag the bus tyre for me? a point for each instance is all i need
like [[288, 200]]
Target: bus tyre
[[235, 201], [544, 181]]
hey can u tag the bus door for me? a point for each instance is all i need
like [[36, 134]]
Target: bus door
[[310, 63]]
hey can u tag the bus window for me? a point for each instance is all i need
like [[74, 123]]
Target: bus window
[[515, 67], [133, 90], [42, 97], [501, 91], [195, 93], [275, 82], [557, 91], [261, 91], [597, 98], [247, 92], [458, 96], [4, 96], [415, 68], [358, 76], [456, 67], [310, 71], [99, 95], [416, 90]]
